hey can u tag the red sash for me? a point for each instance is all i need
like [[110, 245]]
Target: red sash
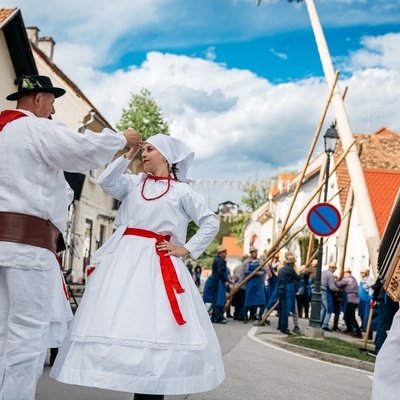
[[7, 116], [64, 284], [171, 281]]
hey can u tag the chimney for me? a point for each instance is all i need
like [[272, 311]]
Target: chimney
[[46, 44], [33, 34]]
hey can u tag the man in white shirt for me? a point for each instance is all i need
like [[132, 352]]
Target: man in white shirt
[[34, 197]]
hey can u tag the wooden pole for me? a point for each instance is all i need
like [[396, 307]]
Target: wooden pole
[[347, 212], [276, 246], [310, 152]]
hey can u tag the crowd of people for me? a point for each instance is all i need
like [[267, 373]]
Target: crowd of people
[[259, 287]]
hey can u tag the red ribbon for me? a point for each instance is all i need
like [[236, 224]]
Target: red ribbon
[[7, 116], [170, 278], [64, 284]]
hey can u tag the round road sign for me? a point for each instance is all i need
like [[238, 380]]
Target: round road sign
[[323, 219]]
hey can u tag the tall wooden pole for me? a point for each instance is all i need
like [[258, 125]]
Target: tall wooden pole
[[356, 174]]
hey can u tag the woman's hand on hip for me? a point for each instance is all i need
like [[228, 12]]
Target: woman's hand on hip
[[172, 250]]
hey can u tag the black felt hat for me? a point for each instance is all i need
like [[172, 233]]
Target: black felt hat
[[35, 84]]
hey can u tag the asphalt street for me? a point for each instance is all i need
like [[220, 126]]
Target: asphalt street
[[256, 369]]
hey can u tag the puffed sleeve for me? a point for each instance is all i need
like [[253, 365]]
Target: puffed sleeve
[[113, 180], [194, 206], [64, 149]]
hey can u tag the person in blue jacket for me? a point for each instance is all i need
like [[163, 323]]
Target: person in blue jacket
[[219, 283], [287, 276]]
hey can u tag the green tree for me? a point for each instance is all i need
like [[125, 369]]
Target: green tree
[[144, 115], [237, 227], [254, 195], [304, 243]]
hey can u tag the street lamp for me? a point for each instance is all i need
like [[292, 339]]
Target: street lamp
[[330, 139]]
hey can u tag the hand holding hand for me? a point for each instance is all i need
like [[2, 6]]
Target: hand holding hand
[[133, 138]]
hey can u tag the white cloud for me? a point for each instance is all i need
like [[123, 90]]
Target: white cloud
[[234, 118], [380, 51], [283, 56], [241, 126]]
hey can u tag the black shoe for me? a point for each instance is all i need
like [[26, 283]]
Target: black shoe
[[358, 336], [326, 329], [370, 335], [336, 329], [287, 332], [297, 330], [221, 321], [53, 355]]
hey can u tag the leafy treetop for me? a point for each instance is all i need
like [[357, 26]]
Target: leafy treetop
[[144, 115]]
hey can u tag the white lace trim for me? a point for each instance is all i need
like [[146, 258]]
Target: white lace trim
[[141, 343]]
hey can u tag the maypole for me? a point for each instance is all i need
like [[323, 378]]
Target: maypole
[[361, 195]]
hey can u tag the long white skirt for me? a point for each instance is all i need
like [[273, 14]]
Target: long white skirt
[[386, 381], [125, 337]]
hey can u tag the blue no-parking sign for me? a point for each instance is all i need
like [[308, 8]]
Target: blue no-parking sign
[[323, 219]]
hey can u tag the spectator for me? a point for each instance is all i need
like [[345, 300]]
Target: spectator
[[328, 288], [365, 294], [219, 285], [350, 303], [301, 288], [240, 295], [387, 309], [197, 275], [287, 300], [255, 294]]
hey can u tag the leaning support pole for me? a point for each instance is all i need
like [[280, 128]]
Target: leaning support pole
[[356, 174], [310, 152], [268, 313], [277, 245]]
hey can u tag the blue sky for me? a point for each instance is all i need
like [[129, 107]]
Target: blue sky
[[242, 84]]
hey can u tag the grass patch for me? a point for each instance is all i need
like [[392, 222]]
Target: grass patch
[[332, 346]]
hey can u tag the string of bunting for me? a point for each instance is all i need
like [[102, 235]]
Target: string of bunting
[[202, 184]]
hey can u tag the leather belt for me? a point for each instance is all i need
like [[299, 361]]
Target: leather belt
[[28, 229]]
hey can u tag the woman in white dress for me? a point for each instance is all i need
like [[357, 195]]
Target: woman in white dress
[[142, 326]]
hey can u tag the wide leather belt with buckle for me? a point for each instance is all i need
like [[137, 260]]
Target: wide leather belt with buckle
[[28, 229]]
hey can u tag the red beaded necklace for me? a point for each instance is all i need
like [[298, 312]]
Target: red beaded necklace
[[157, 178]]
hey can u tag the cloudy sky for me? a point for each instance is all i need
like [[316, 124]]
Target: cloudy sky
[[242, 84]]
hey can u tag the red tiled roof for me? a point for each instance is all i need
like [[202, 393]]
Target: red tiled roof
[[234, 249], [379, 151], [5, 13], [382, 187]]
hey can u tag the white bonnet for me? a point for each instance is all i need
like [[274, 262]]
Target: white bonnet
[[176, 152]]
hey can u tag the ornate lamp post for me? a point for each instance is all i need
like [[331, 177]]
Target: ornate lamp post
[[330, 139]]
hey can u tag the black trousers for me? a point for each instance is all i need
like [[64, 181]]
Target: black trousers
[[139, 396], [350, 319]]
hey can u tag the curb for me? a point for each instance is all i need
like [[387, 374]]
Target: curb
[[328, 357]]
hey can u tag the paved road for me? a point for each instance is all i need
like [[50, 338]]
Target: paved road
[[255, 371], [258, 371]]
